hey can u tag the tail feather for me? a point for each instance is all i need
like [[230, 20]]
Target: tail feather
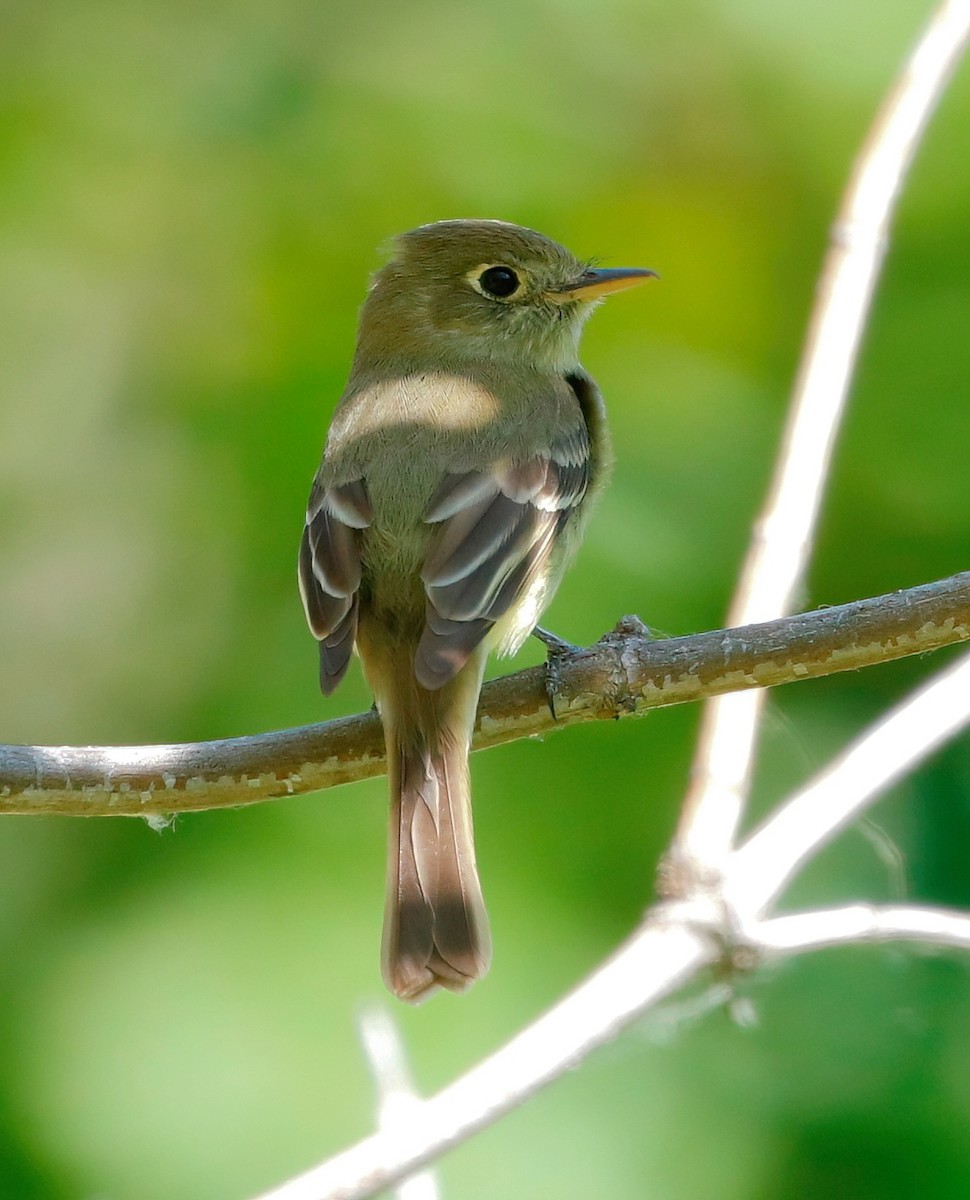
[[435, 926]]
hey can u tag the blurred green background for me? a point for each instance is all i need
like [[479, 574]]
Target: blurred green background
[[191, 198]]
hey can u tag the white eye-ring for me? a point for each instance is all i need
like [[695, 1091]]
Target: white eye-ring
[[495, 280]]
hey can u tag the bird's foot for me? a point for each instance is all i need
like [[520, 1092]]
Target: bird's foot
[[558, 650]]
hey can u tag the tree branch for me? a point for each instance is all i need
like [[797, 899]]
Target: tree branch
[[626, 672]]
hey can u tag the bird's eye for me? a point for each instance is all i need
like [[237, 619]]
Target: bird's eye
[[499, 281]]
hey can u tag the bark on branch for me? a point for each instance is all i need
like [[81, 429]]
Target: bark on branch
[[626, 672]]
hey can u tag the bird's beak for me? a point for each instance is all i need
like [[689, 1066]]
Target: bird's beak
[[601, 281]]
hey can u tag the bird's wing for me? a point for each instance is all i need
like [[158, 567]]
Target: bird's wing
[[495, 531], [329, 572]]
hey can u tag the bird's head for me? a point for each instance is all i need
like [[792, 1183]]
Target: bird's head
[[465, 291]]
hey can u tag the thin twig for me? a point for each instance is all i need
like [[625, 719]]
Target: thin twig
[[776, 560], [625, 673], [397, 1101], [890, 748], [855, 923], [645, 969]]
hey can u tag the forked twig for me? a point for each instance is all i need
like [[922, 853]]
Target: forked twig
[[783, 534], [673, 944]]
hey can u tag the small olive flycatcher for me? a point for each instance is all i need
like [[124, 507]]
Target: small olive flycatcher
[[456, 481]]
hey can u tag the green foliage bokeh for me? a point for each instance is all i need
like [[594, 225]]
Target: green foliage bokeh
[[191, 198]]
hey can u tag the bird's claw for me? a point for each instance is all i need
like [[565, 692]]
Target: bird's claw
[[557, 651]]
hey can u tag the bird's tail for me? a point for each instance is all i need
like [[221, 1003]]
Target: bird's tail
[[435, 925]]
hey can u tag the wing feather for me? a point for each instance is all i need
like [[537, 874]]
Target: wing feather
[[495, 533], [329, 573]]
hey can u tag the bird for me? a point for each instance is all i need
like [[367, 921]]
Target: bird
[[458, 474]]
